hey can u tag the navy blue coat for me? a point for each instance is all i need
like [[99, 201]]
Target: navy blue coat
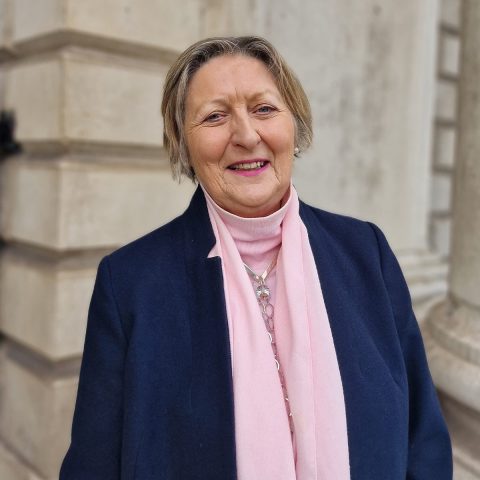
[[155, 396]]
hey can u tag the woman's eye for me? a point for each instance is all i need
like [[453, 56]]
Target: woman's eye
[[265, 109], [214, 117]]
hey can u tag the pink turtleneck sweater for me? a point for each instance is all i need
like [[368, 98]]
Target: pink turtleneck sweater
[[258, 240], [304, 344]]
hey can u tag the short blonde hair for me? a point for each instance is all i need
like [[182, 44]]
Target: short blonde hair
[[182, 71]]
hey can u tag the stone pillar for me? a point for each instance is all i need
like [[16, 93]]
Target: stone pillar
[[85, 80], [454, 325]]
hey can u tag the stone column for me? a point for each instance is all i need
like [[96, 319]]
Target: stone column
[[454, 325], [85, 81]]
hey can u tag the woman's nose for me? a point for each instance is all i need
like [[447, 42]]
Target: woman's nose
[[244, 132]]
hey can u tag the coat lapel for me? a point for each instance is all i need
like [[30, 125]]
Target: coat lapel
[[212, 384], [334, 280]]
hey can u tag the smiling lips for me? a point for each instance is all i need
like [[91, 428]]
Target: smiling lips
[[249, 168]]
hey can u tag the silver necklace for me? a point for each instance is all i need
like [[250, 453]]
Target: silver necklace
[[262, 293]]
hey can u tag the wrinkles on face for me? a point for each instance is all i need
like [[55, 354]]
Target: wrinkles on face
[[235, 115]]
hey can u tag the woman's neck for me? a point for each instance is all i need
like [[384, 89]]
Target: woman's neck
[[257, 239]]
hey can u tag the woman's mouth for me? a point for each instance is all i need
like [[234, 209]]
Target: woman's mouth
[[249, 168]]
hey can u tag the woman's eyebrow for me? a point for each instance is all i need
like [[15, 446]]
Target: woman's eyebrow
[[204, 107]]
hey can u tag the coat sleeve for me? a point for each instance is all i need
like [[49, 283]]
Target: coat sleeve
[[429, 449], [94, 451]]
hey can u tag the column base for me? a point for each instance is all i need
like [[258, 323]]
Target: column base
[[452, 341], [13, 468]]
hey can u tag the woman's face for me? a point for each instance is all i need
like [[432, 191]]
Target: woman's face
[[240, 135]]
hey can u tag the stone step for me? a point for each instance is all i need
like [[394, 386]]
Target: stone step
[[12, 468], [421, 292], [457, 330]]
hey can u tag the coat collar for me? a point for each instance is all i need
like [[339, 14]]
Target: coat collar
[[199, 236]]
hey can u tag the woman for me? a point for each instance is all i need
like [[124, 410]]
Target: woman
[[254, 336]]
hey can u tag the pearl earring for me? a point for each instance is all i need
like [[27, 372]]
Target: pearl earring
[[296, 151]]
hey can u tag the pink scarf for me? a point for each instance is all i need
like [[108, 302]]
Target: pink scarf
[[307, 356]]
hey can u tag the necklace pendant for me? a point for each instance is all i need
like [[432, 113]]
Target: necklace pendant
[[262, 292]]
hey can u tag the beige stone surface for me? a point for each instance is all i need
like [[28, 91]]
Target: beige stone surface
[[36, 415], [456, 328], [457, 377], [464, 428], [4, 17], [461, 473], [12, 468], [449, 54], [441, 235], [51, 318], [2, 87], [87, 97], [35, 18], [30, 201], [229, 17], [452, 340], [450, 12], [158, 23], [76, 204], [426, 276], [446, 100], [113, 103], [441, 192], [445, 142], [465, 242], [34, 91], [459, 380]]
